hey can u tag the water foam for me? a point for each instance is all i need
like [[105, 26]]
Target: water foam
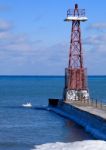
[[82, 145], [27, 105]]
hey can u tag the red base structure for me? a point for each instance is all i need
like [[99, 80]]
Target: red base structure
[[75, 79]]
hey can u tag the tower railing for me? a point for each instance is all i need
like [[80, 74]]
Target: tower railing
[[81, 12]]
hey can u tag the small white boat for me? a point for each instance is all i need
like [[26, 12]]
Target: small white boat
[[27, 105]]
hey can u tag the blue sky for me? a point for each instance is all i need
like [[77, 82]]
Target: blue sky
[[34, 39]]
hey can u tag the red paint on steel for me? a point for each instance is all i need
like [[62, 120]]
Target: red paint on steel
[[75, 74]]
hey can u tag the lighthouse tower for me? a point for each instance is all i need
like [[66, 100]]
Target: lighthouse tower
[[75, 74]]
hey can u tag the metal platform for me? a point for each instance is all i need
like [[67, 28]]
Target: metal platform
[[76, 18]]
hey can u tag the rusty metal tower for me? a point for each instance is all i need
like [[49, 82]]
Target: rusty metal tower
[[75, 75]]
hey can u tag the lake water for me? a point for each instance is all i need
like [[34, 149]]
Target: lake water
[[23, 128]]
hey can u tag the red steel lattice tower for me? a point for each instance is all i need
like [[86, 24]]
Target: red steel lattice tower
[[75, 74]]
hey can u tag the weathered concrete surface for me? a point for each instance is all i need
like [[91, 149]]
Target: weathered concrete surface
[[95, 110], [86, 117]]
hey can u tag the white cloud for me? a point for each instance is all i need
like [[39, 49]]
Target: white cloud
[[4, 35], [94, 46], [98, 26], [27, 54], [18, 52], [5, 25], [97, 39], [95, 54]]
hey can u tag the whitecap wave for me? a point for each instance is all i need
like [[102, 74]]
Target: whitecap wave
[[27, 105], [82, 145]]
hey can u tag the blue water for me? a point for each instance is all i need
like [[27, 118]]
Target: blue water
[[22, 128]]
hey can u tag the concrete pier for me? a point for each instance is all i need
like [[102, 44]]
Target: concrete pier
[[91, 118]]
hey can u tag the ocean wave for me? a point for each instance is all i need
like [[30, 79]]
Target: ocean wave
[[82, 145]]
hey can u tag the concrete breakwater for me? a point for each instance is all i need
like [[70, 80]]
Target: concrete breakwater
[[90, 120]]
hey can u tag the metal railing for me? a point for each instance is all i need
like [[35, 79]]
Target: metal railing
[[99, 104], [71, 12]]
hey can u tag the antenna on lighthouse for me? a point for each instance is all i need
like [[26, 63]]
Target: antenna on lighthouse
[[75, 75]]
